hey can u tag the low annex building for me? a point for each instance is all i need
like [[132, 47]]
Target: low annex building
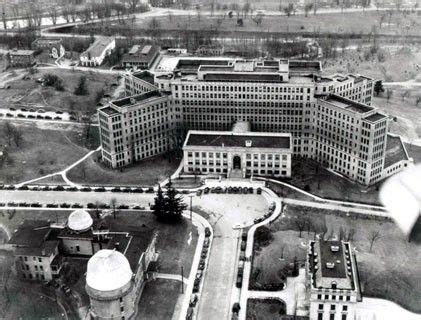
[[332, 280], [22, 58], [140, 57], [54, 46], [238, 154], [95, 55]]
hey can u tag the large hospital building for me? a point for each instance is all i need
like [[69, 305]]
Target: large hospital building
[[330, 119]]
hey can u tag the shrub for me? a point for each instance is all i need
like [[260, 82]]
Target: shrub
[[263, 236]]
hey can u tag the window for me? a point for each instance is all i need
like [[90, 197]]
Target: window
[[345, 308], [344, 317], [332, 307], [320, 306], [78, 248], [332, 316], [320, 316]]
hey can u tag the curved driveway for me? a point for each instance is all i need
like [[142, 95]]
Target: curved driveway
[[218, 291]]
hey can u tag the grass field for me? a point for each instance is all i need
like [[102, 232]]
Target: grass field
[[41, 151], [392, 270], [158, 299], [329, 185], [338, 23], [47, 98], [395, 64], [147, 172], [264, 309]]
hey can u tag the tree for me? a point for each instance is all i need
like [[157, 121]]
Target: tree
[[17, 137], [53, 13], [113, 205], [168, 208], [289, 9], [373, 236], [258, 19], [417, 101], [389, 93], [300, 224], [51, 80], [8, 132], [154, 26], [246, 9], [378, 87], [3, 18], [81, 88], [174, 205], [405, 94], [307, 8]]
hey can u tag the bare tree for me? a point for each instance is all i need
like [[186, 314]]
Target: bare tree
[[3, 18], [417, 100], [113, 205], [300, 224], [389, 93], [405, 94], [65, 12], [8, 132], [53, 13], [307, 8], [17, 136], [373, 236], [133, 4]]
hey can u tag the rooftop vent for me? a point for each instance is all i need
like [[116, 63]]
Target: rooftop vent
[[248, 143], [334, 248], [330, 265]]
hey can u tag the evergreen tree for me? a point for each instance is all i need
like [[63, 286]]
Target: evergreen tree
[[378, 87], [168, 208], [81, 88], [174, 205], [159, 204]]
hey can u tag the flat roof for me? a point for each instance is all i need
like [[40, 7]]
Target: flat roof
[[375, 117], [141, 54], [395, 151], [144, 97], [145, 76], [252, 77], [230, 139], [183, 64], [348, 104], [304, 66], [108, 110], [336, 257]]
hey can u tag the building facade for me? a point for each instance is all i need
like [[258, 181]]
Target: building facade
[[22, 58], [138, 127], [140, 57], [332, 280], [238, 154], [97, 52], [330, 119]]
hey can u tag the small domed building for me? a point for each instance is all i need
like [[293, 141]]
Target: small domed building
[[109, 284], [77, 237]]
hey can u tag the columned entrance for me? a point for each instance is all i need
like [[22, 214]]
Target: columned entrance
[[236, 162]]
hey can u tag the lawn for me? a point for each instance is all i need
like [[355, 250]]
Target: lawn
[[147, 172], [328, 185], [158, 299], [391, 270], [40, 151], [355, 23], [405, 114], [264, 309], [395, 63], [29, 92]]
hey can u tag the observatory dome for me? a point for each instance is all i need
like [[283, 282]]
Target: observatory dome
[[79, 220], [108, 270]]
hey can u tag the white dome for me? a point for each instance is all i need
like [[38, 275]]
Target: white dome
[[79, 220], [108, 270]]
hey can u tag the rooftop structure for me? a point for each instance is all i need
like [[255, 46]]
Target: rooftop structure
[[140, 98], [348, 104], [108, 270], [79, 221], [98, 46]]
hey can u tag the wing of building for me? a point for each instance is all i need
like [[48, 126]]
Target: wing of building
[[330, 119]]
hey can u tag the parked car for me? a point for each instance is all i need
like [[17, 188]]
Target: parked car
[[199, 192], [189, 314], [193, 300], [207, 232], [201, 265], [206, 190], [259, 190], [258, 220]]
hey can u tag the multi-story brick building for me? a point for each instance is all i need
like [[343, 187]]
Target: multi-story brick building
[[330, 119], [138, 127], [332, 280]]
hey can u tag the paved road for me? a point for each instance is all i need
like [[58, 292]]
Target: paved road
[[215, 302], [83, 198]]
